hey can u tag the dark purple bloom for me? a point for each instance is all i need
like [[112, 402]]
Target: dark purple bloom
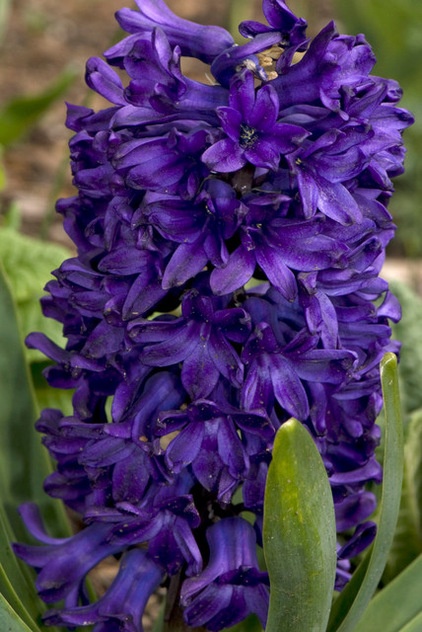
[[195, 40], [231, 587], [63, 564], [280, 19], [120, 609], [253, 134], [230, 235]]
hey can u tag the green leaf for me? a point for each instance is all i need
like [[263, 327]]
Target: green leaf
[[413, 626], [397, 604], [24, 462], [10, 621], [28, 263], [351, 603], [16, 585], [407, 543], [19, 114], [299, 534], [408, 331]]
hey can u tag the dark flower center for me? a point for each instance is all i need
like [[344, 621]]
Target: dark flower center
[[248, 136]]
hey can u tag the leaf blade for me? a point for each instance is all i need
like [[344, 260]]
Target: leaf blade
[[383, 613], [10, 620], [299, 534]]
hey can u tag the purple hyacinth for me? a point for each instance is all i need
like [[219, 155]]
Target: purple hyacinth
[[229, 237]]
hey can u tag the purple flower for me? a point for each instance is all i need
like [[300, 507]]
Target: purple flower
[[280, 19], [200, 339], [253, 134], [231, 587], [196, 40], [230, 234], [63, 564], [120, 609], [215, 442]]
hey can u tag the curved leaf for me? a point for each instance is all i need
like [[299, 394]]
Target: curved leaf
[[408, 331], [24, 462], [351, 603], [16, 585], [396, 605], [413, 626], [28, 263], [10, 621], [407, 543], [299, 534]]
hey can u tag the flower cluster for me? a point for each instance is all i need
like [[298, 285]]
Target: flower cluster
[[230, 235]]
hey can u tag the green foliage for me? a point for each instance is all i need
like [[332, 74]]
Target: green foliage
[[19, 114], [24, 463], [28, 263], [299, 534], [349, 607], [397, 606], [408, 331], [10, 621], [2, 170], [407, 543]]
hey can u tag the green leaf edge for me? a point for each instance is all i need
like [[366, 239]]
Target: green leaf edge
[[10, 620], [350, 605], [383, 611]]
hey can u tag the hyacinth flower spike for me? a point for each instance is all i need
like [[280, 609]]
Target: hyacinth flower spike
[[230, 234]]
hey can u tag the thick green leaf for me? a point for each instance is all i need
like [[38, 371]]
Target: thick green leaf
[[397, 604], [19, 114], [350, 605], [299, 534], [10, 621], [407, 543], [413, 626]]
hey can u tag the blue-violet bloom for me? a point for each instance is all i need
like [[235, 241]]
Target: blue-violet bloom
[[230, 236]]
